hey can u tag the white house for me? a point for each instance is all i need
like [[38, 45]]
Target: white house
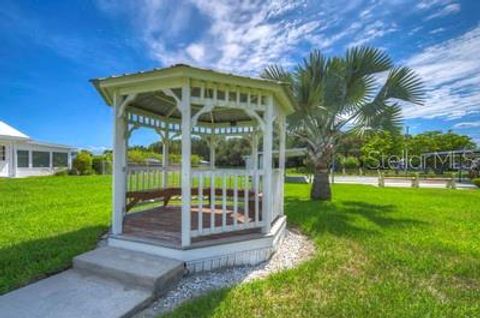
[[20, 156]]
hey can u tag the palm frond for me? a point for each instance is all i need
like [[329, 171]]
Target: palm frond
[[403, 84], [277, 73], [366, 60], [383, 117]]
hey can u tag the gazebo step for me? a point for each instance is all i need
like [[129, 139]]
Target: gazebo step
[[131, 268]]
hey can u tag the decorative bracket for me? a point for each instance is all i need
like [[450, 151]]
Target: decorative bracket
[[131, 129], [169, 92], [260, 120], [208, 107], [125, 103]]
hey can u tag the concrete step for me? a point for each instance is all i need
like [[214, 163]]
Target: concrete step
[[131, 268], [74, 295]]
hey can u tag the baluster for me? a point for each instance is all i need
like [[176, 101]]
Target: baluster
[[212, 201], [245, 207], [235, 201], [224, 202], [200, 203], [137, 176], [257, 205], [143, 180]]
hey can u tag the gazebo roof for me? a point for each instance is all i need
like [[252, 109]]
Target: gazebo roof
[[151, 98]]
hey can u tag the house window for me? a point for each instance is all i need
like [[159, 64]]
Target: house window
[[40, 159], [60, 159], [23, 157], [2, 153]]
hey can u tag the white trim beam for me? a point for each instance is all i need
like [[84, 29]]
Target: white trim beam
[[186, 165]]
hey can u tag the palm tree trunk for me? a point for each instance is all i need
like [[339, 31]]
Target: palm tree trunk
[[321, 184]]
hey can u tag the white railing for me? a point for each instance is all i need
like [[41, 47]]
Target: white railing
[[222, 200], [149, 177], [277, 193], [234, 200]]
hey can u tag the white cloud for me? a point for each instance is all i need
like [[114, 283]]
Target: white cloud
[[451, 72], [444, 11], [429, 4], [437, 30], [245, 36], [96, 149], [196, 51], [467, 125]]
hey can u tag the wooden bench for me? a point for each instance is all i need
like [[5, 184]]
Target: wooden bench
[[135, 197], [416, 181]]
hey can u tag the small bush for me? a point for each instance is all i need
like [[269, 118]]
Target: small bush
[[88, 172], [476, 182], [350, 163], [101, 165], [73, 172], [61, 173], [83, 163]]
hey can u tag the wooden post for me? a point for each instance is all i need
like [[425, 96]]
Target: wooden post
[[281, 160], [119, 166], [186, 166], [267, 165], [165, 151], [381, 180], [255, 150], [212, 143]]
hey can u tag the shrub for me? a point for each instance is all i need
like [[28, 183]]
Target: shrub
[[61, 173], [83, 163], [350, 162], [101, 165], [73, 172], [431, 174], [476, 182]]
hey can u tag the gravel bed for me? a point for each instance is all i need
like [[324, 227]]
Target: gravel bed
[[294, 249]]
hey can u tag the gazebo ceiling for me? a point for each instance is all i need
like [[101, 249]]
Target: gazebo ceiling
[[165, 108], [228, 90]]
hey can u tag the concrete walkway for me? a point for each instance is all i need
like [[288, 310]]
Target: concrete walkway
[[106, 282]]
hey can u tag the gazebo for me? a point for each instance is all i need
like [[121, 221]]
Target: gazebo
[[205, 216]]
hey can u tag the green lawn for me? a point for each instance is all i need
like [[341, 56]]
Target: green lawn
[[46, 221], [380, 252]]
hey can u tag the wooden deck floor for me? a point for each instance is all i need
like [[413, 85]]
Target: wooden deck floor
[[163, 225]]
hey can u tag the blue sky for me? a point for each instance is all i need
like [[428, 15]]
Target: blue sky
[[50, 49]]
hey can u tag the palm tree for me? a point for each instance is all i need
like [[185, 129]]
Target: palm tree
[[340, 94]]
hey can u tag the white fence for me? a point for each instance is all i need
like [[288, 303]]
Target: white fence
[[149, 177], [234, 200], [223, 200]]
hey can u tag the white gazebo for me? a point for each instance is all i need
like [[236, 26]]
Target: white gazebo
[[204, 216]]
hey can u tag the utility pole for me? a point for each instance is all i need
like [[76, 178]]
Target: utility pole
[[407, 131], [333, 164]]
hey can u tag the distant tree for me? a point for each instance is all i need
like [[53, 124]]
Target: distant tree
[[378, 146], [435, 141], [83, 163], [231, 152], [349, 144]]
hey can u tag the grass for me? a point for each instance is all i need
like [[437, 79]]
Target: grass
[[379, 252], [44, 222]]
